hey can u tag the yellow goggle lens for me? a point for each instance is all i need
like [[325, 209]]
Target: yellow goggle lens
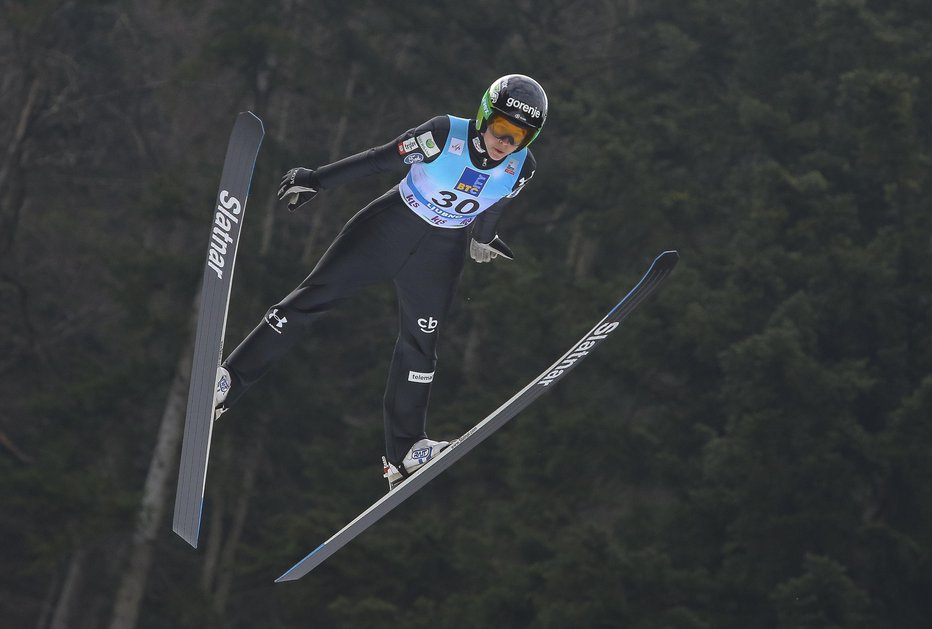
[[503, 129]]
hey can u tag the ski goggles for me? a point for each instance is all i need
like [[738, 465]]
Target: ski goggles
[[504, 129]]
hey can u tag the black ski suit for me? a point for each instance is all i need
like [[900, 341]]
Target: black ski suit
[[384, 241]]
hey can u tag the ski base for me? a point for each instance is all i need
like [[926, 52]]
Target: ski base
[[655, 275], [229, 211]]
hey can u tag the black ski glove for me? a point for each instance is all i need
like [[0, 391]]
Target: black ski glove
[[301, 185], [488, 251]]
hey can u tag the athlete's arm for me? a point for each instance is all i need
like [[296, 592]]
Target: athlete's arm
[[398, 154]]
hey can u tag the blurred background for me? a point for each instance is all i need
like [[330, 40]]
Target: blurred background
[[752, 448]]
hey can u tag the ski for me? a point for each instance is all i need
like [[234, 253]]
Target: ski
[[226, 224], [655, 275]]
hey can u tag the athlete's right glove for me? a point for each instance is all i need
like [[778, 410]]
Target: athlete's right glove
[[485, 252], [300, 185]]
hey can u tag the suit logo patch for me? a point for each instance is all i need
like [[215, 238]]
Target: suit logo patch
[[427, 144]]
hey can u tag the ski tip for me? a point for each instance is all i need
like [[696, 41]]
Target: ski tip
[[186, 536], [185, 526], [257, 119], [667, 259], [293, 574]]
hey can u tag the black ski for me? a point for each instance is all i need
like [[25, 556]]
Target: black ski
[[658, 271], [227, 222]]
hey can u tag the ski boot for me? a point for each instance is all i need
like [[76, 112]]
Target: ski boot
[[224, 382], [419, 454]]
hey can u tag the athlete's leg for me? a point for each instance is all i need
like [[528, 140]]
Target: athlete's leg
[[369, 249], [425, 287]]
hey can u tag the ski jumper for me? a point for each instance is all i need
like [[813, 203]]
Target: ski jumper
[[415, 235]]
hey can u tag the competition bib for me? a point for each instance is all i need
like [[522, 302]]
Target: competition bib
[[449, 191]]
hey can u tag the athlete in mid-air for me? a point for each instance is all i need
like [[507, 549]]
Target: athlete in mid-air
[[461, 175]]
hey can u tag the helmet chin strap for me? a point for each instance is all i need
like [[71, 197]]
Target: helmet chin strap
[[479, 145], [479, 141]]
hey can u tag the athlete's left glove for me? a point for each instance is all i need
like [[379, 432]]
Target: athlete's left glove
[[299, 185], [488, 251]]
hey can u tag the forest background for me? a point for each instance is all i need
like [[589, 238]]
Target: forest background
[[752, 448]]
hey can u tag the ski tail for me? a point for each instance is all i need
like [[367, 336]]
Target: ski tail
[[652, 279], [226, 225]]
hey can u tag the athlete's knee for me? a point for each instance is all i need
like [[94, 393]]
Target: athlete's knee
[[417, 349]]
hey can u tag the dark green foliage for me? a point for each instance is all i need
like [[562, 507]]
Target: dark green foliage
[[751, 449]]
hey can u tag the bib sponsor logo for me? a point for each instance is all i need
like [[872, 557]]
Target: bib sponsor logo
[[471, 182], [427, 144], [227, 210], [456, 147], [423, 378], [411, 201], [512, 165]]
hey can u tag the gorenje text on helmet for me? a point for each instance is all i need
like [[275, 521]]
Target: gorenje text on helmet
[[514, 102]]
